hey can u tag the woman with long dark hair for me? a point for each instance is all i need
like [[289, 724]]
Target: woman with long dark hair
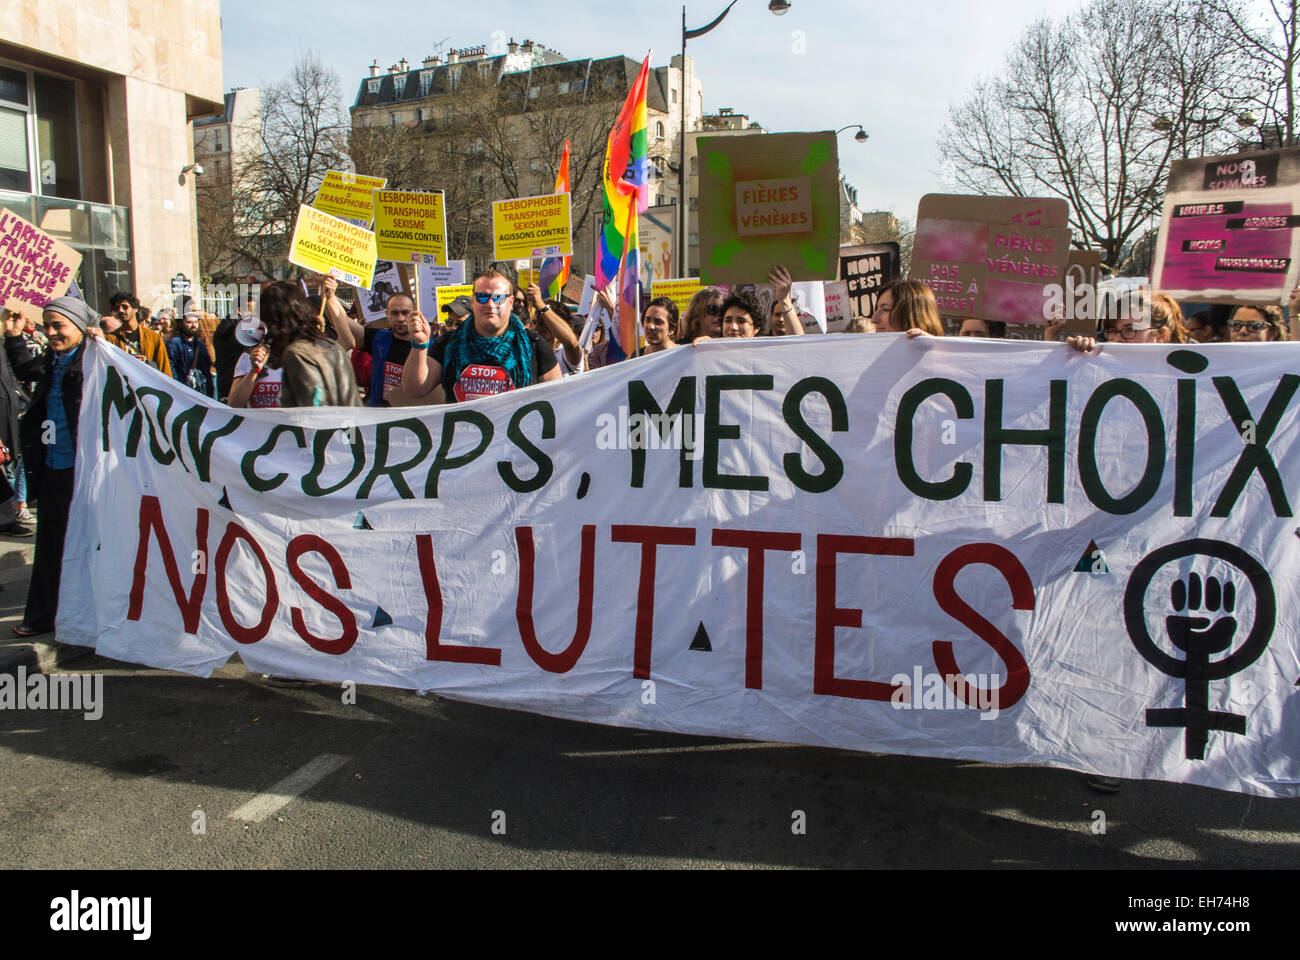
[[316, 370]]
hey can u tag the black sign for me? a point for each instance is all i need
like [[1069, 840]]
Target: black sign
[[867, 270], [180, 284], [1232, 173]]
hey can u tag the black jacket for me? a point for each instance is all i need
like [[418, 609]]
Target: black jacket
[[32, 364]]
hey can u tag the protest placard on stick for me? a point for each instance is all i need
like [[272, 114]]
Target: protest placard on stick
[[767, 199], [34, 267], [333, 246], [1230, 232]]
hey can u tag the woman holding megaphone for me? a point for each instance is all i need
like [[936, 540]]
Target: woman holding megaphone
[[256, 384]]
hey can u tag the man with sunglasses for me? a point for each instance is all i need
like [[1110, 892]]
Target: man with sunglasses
[[494, 353], [388, 349]]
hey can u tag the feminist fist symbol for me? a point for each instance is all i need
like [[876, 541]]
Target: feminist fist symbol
[[1189, 633], [1199, 637]]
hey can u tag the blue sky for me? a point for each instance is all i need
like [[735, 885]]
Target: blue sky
[[893, 67]]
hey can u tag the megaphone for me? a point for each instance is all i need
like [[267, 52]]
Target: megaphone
[[250, 331]]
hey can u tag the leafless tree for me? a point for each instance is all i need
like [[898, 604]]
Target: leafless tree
[[1264, 38], [303, 132], [1094, 108]]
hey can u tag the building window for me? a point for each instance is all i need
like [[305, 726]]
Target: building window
[[372, 86], [39, 150], [534, 93], [392, 120], [694, 240], [695, 165], [695, 203], [216, 141], [426, 82], [419, 115], [578, 86], [15, 172], [561, 88], [674, 94], [485, 69], [659, 130], [453, 78]]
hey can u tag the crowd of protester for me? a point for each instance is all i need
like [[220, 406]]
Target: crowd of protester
[[291, 349]]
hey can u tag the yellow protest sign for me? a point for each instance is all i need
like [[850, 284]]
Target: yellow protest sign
[[332, 246], [411, 227], [349, 196], [34, 267], [449, 293], [678, 291], [532, 227]]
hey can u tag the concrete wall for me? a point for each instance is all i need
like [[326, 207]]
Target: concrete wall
[[158, 65]]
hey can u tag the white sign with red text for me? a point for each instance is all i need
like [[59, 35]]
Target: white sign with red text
[[1006, 552]]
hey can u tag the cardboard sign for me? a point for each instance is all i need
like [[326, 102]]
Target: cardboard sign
[[678, 291], [866, 270], [34, 267], [839, 307], [767, 199], [1230, 232], [997, 258], [328, 245], [446, 295], [428, 277], [532, 227], [411, 227], [767, 207], [573, 288], [349, 197], [1083, 275], [389, 278]]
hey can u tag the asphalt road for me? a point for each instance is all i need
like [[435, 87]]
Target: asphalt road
[[397, 780]]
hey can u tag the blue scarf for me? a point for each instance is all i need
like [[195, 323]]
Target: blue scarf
[[512, 351]]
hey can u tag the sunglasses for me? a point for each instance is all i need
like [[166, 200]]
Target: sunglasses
[[494, 297], [1254, 326]]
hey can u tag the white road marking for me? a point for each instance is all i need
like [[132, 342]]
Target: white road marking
[[291, 787]]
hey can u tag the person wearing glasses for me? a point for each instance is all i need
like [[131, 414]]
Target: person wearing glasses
[[1160, 321], [703, 316], [494, 353], [1257, 324]]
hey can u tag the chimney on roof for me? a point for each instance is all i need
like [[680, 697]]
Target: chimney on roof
[[404, 65], [725, 111], [432, 61], [528, 46], [514, 47], [374, 68], [392, 68], [453, 56]]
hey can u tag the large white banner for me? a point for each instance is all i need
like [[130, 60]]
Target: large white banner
[[1008, 552]]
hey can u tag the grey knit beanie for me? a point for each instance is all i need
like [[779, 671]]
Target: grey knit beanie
[[77, 311]]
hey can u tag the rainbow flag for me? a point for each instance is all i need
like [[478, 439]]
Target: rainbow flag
[[622, 333], [554, 271], [626, 178]]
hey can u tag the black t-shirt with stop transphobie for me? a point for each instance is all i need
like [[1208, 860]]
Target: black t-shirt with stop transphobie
[[485, 379]]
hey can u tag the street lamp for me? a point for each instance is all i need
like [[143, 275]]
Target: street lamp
[[861, 136], [778, 7]]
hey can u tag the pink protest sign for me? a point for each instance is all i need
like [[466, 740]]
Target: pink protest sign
[[996, 258], [1229, 231]]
